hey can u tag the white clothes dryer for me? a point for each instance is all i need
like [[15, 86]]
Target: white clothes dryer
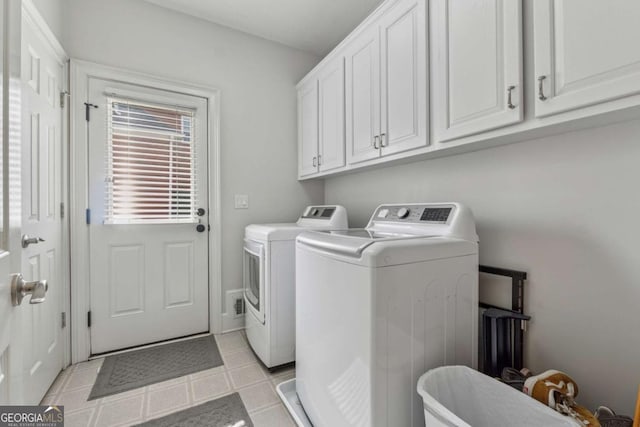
[[376, 308], [269, 281]]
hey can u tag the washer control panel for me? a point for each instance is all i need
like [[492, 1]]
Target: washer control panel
[[438, 214]]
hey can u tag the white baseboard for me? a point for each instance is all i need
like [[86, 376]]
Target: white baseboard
[[230, 323]]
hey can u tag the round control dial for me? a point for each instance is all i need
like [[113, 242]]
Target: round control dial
[[403, 213]]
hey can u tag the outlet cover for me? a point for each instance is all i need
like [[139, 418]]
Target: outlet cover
[[242, 201]]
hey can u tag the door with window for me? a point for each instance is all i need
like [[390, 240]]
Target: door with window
[[147, 216]]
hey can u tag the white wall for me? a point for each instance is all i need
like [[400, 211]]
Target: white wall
[[566, 209], [258, 102], [51, 11]]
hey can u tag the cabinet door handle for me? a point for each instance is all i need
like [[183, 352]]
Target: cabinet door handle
[[541, 96], [509, 103], [384, 142], [375, 142], [319, 159], [315, 164]]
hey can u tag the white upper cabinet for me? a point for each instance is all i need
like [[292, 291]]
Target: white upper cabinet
[[387, 84], [586, 52], [404, 77], [331, 153], [308, 128], [321, 120], [369, 101], [362, 58], [477, 66]]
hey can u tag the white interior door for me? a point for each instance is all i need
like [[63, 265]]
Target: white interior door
[[586, 52], [477, 65], [40, 324], [148, 242]]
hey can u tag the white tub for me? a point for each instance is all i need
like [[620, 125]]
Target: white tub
[[462, 397]]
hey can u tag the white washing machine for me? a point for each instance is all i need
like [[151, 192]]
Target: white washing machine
[[269, 281], [378, 307]]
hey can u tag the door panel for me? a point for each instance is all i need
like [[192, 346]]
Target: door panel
[[584, 58], [42, 80], [147, 177], [331, 125], [33, 207], [362, 71], [404, 77], [308, 128], [126, 279], [478, 58], [179, 274]]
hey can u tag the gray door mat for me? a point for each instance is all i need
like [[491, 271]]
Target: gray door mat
[[126, 371], [227, 411]]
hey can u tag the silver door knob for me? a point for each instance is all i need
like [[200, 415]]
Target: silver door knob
[[20, 288], [26, 240]]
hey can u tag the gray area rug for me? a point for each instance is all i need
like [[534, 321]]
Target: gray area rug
[[227, 411], [126, 371]]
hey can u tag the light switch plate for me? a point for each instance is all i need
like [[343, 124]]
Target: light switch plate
[[242, 201]]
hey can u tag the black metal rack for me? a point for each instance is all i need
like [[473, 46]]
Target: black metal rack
[[503, 328]]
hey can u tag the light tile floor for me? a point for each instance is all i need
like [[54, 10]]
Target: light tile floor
[[240, 373]]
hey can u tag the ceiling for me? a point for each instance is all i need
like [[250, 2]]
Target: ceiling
[[315, 26]]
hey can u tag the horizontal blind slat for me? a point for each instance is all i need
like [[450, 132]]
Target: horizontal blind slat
[[133, 116], [147, 139]]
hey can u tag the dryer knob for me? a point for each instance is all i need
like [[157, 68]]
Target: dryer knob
[[403, 213]]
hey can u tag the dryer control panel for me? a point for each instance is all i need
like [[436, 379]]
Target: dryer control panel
[[324, 217], [319, 212]]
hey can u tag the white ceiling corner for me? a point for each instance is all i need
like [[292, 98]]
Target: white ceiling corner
[[315, 26]]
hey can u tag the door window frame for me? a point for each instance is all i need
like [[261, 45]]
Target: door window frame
[[255, 304], [81, 72]]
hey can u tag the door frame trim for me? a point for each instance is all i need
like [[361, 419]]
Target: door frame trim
[[81, 71]]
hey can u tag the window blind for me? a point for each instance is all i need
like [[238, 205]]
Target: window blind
[[151, 176]]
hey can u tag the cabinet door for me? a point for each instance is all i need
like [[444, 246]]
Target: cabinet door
[[331, 125], [586, 52], [362, 68], [404, 77], [478, 65], [308, 128]]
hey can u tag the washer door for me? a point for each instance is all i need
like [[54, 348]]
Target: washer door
[[253, 278]]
